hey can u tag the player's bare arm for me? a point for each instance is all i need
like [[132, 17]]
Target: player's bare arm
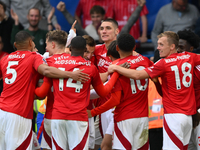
[[53, 72], [129, 73]]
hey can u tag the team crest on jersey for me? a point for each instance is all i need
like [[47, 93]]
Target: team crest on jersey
[[103, 55]]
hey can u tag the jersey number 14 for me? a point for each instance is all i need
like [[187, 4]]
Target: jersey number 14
[[78, 86]]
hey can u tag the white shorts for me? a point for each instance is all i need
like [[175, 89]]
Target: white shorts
[[69, 134], [177, 130], [131, 134], [91, 133], [46, 136], [15, 132], [36, 144], [107, 122]]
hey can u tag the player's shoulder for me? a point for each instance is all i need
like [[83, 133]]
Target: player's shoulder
[[99, 46]]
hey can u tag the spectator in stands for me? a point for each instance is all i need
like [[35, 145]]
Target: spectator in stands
[[84, 6], [22, 7], [6, 24], [122, 10], [178, 15], [33, 29], [80, 31], [2, 54], [97, 14]]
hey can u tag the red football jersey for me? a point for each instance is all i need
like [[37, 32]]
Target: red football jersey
[[176, 72], [197, 85], [134, 99], [50, 99], [100, 58], [84, 6], [72, 97], [19, 72], [121, 10], [2, 54]]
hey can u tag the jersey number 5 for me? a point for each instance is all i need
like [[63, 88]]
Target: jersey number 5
[[12, 71], [186, 73], [78, 86]]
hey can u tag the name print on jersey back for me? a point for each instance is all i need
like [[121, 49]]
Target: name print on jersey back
[[72, 97]]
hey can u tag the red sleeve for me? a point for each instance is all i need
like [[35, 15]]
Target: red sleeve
[[157, 69], [144, 11], [113, 101], [102, 90], [38, 61], [43, 90]]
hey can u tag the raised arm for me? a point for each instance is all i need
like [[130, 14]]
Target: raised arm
[[134, 17], [70, 18], [47, 9]]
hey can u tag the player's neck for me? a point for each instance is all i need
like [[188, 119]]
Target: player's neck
[[76, 54], [107, 43], [59, 51], [124, 55], [172, 52]]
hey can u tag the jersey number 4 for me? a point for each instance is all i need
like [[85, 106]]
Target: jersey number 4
[[186, 73], [12, 71], [78, 86]]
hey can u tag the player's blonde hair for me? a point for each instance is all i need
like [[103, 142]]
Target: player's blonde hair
[[58, 36], [172, 37]]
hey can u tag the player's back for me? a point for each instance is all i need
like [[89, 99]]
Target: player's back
[[134, 99], [72, 97], [177, 82], [19, 72]]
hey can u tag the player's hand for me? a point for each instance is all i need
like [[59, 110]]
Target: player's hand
[[142, 39], [125, 65], [195, 119], [89, 113], [78, 75], [73, 26], [61, 6], [57, 26], [14, 16], [141, 2], [111, 68]]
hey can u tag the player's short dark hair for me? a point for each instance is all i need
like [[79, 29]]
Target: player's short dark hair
[[112, 50], [113, 21], [89, 40], [126, 42], [22, 36], [4, 5], [97, 9], [58, 36], [190, 37], [78, 43]]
